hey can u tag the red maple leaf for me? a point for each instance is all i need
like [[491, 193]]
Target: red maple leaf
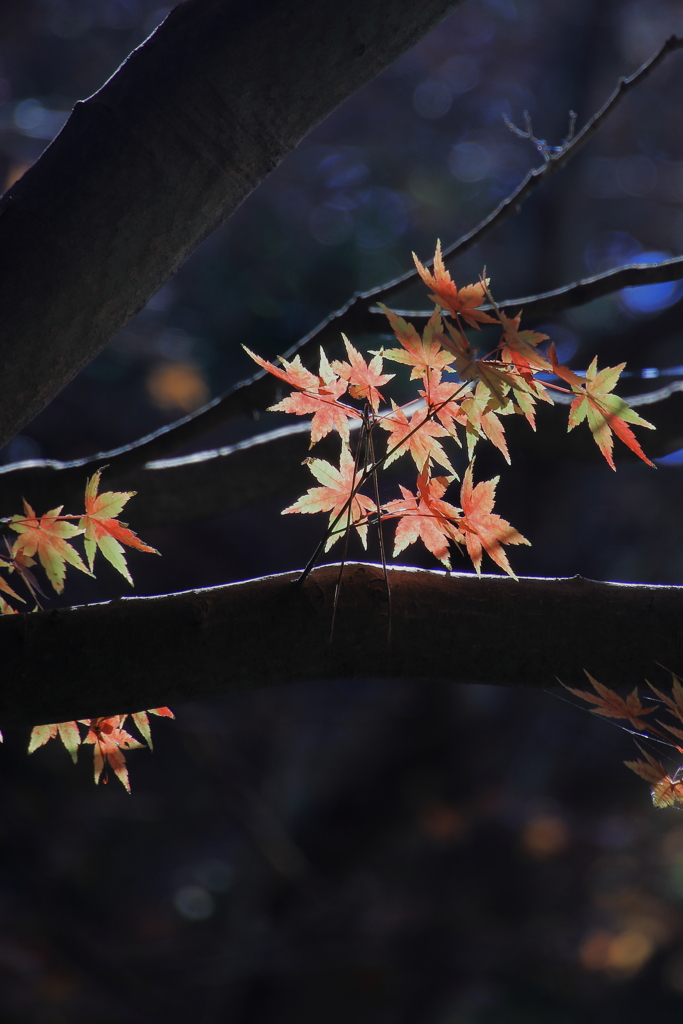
[[142, 721], [364, 378], [444, 399], [424, 354], [480, 419], [334, 495], [67, 732], [482, 530], [109, 741], [318, 395], [519, 347], [46, 536], [605, 412], [666, 791], [611, 705], [417, 436], [463, 301], [104, 531], [425, 516]]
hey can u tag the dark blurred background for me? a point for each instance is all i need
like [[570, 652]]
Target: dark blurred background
[[369, 851]]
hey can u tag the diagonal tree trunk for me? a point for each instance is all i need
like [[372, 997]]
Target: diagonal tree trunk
[[146, 168], [136, 653]]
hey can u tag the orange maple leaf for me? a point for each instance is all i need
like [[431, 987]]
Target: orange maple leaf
[[338, 485], [316, 394], [666, 791], [4, 586], [142, 721], [463, 301], [67, 732], [519, 347], [444, 399], [611, 705], [605, 412], [364, 378], [417, 436], [482, 530], [480, 419], [425, 353], [425, 517], [675, 701], [500, 378], [109, 741], [104, 531], [294, 373], [46, 535]]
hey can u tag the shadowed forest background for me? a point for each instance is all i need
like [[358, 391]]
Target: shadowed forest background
[[382, 852]]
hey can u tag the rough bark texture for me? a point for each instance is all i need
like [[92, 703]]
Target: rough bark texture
[[214, 483], [159, 157], [137, 653]]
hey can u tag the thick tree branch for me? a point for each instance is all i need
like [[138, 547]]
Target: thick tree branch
[[159, 157], [144, 652]]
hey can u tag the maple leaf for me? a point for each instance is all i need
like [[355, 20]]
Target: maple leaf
[[611, 705], [67, 732], [6, 608], [605, 412], [666, 791], [109, 741], [20, 562], [317, 394], [5, 587], [481, 419], [424, 354], [463, 301], [103, 530], [417, 436], [499, 378], [440, 398], [519, 347], [424, 517], [675, 701], [364, 378], [484, 531], [46, 535], [334, 495], [142, 721], [294, 373]]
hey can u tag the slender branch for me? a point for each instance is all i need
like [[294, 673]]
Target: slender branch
[[259, 391], [215, 483], [632, 275], [122, 656]]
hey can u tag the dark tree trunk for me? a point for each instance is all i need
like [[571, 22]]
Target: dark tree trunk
[[161, 156]]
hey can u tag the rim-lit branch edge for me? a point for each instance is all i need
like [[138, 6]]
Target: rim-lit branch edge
[[105, 659]]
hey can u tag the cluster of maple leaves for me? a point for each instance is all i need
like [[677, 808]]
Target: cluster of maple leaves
[[461, 393], [666, 789], [47, 538]]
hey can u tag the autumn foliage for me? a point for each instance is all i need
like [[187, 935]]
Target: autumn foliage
[[666, 789], [46, 539], [462, 396]]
